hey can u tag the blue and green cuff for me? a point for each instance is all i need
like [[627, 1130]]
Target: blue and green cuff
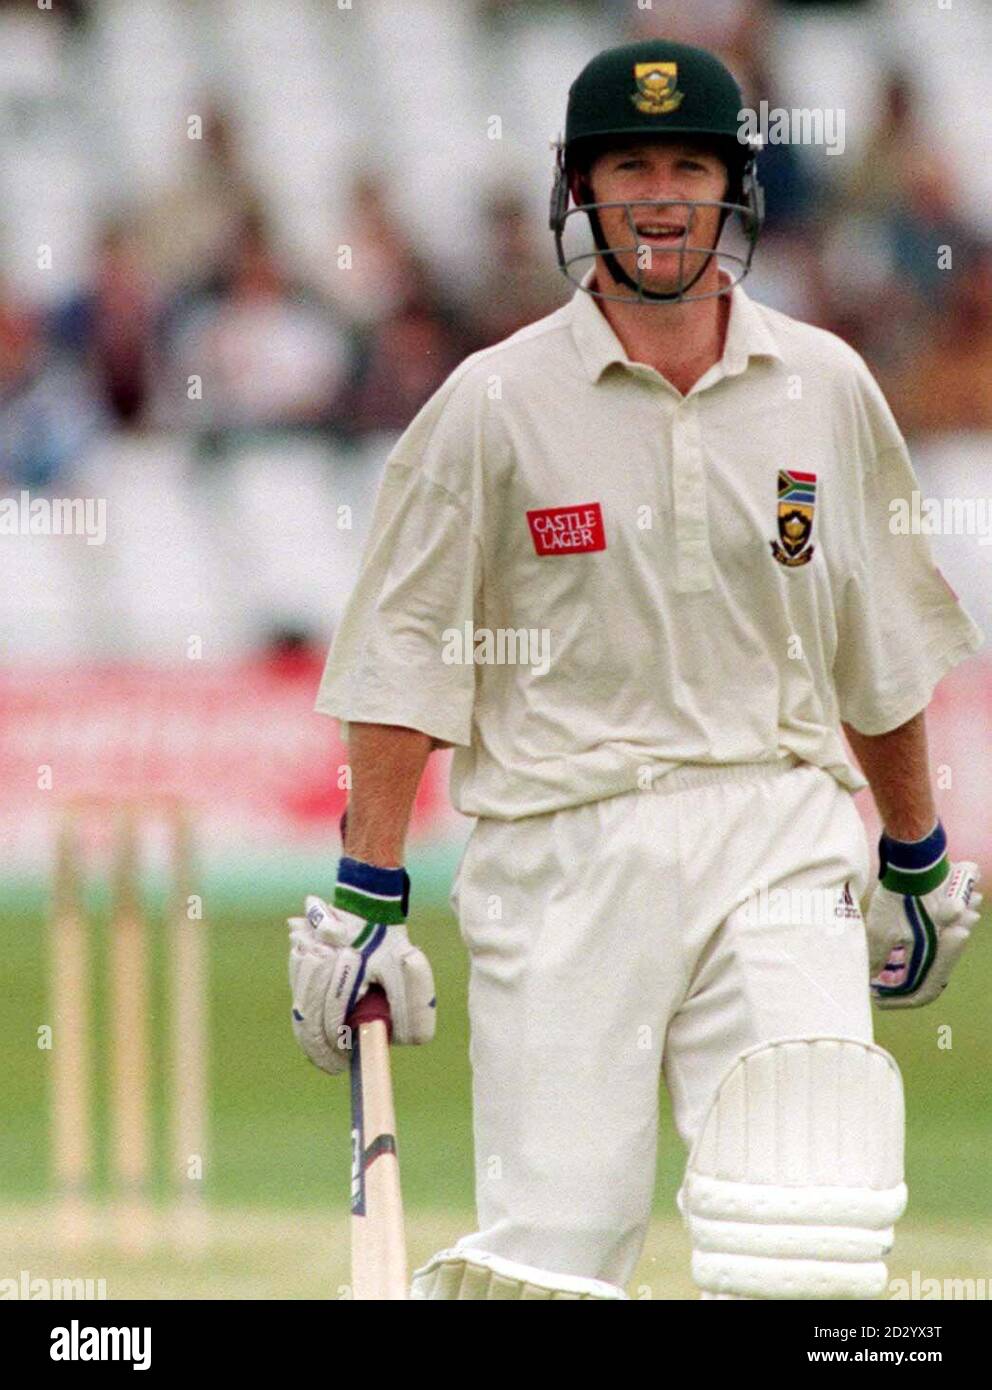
[[378, 895], [914, 867]]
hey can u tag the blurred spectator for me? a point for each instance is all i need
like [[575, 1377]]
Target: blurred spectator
[[905, 185], [405, 359], [267, 352], [784, 273], [790, 191], [928, 218], [372, 268], [46, 417], [737, 29], [861, 297], [946, 384], [876, 182], [290, 652], [784, 269], [186, 231], [109, 327], [19, 342], [520, 278]]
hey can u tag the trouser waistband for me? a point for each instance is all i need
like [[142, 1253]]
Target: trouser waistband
[[706, 775]]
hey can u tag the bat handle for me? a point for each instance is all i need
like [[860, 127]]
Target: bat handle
[[373, 1007]]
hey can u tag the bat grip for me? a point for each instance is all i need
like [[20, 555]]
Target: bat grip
[[373, 1007]]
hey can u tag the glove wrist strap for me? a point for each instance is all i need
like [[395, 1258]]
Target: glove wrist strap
[[914, 867], [378, 895]]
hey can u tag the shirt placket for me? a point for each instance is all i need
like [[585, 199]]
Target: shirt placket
[[693, 573]]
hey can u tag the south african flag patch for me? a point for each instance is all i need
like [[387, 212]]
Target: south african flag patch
[[796, 503]]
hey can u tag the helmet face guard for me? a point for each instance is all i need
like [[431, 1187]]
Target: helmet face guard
[[750, 211]]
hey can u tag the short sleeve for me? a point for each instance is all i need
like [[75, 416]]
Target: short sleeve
[[901, 628], [390, 661]]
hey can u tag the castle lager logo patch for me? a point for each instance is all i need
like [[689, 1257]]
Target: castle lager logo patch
[[796, 500], [567, 530], [657, 85]]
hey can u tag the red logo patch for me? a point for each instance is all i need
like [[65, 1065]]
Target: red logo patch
[[567, 530]]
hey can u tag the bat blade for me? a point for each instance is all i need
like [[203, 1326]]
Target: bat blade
[[378, 1240]]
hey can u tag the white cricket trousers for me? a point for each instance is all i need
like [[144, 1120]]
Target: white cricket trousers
[[658, 932]]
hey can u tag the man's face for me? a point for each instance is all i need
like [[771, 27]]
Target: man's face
[[640, 174]]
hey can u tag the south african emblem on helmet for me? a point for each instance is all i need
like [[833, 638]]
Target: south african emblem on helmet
[[796, 500], [656, 93]]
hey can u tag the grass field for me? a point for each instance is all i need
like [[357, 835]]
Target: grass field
[[254, 1253], [278, 1162]]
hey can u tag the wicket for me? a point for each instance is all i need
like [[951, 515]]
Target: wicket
[[129, 1043]]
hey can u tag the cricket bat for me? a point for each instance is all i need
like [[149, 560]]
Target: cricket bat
[[378, 1240]]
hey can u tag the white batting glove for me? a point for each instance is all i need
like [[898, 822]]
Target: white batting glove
[[915, 938], [334, 956]]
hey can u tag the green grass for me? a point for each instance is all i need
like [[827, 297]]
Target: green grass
[[303, 1253], [280, 1129]]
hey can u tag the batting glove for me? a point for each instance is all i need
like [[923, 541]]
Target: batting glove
[[919, 920], [336, 953]]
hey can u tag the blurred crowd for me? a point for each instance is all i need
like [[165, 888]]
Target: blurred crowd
[[246, 344], [358, 349]]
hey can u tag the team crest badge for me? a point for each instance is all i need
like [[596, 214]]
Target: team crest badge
[[657, 88], [796, 500]]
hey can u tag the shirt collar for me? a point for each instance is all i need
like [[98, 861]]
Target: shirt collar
[[748, 335]]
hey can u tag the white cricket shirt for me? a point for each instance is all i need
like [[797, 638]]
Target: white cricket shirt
[[702, 579]]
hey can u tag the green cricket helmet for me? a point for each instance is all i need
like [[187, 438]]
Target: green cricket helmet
[[655, 90]]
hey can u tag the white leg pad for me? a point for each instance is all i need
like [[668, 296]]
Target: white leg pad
[[474, 1275], [796, 1178]]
